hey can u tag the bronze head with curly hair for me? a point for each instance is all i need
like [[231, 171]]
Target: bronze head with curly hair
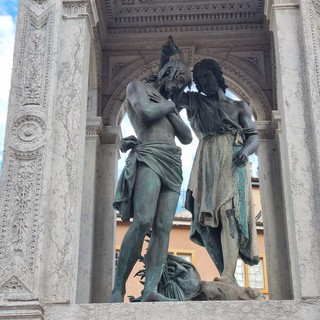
[[214, 67]]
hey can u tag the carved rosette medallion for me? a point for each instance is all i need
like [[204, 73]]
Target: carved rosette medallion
[[28, 129]]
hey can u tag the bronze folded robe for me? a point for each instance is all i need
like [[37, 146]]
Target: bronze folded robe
[[216, 186], [162, 158]]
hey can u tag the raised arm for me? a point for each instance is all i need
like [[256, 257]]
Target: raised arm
[[147, 109], [251, 134], [181, 101]]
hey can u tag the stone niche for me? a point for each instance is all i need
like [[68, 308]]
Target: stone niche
[[72, 61]]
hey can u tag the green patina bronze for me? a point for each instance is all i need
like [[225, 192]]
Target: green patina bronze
[[149, 186]]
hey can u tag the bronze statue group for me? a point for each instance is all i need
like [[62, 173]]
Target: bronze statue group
[[219, 190]]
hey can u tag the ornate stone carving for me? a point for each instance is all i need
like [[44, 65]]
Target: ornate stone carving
[[274, 75], [28, 129], [93, 130], [98, 53], [267, 134], [185, 29], [117, 67], [108, 139], [145, 16], [39, 1], [21, 209], [254, 59], [35, 59], [209, 7], [315, 30], [124, 2], [33, 83], [118, 63], [237, 91], [285, 2], [75, 8], [14, 286]]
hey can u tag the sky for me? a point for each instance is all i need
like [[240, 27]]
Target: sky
[[8, 12]]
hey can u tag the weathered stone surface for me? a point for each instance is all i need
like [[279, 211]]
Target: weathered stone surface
[[222, 310], [216, 290]]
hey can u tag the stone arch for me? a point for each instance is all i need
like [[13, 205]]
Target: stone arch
[[240, 82]]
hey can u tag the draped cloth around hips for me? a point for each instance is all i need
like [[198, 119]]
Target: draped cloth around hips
[[162, 158]]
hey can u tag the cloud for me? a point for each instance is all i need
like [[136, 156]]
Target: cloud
[[8, 7], [7, 35]]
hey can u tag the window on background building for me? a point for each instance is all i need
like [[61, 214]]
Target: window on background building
[[184, 254], [116, 256], [252, 276]]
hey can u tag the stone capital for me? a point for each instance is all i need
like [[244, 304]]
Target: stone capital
[[94, 126], [110, 135], [271, 5], [75, 9], [266, 130]]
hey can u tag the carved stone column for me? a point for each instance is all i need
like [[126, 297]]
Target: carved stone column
[[105, 221], [274, 219], [295, 25], [42, 177], [85, 264]]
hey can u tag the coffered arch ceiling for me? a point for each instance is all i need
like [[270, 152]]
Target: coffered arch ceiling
[[235, 33]]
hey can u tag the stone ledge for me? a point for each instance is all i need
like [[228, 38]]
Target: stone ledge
[[222, 310], [249, 310], [21, 310]]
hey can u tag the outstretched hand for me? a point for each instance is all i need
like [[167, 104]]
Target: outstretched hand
[[240, 158]]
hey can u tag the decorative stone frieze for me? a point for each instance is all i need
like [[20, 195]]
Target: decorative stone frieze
[[314, 18], [94, 126], [286, 2], [251, 8], [119, 32], [35, 59], [73, 9], [20, 220]]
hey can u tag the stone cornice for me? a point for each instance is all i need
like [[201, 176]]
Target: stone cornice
[[139, 16]]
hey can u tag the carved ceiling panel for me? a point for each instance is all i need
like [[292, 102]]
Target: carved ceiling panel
[[136, 16], [234, 31]]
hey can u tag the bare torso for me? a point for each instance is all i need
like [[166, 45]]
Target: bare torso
[[154, 130], [150, 131], [231, 108]]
